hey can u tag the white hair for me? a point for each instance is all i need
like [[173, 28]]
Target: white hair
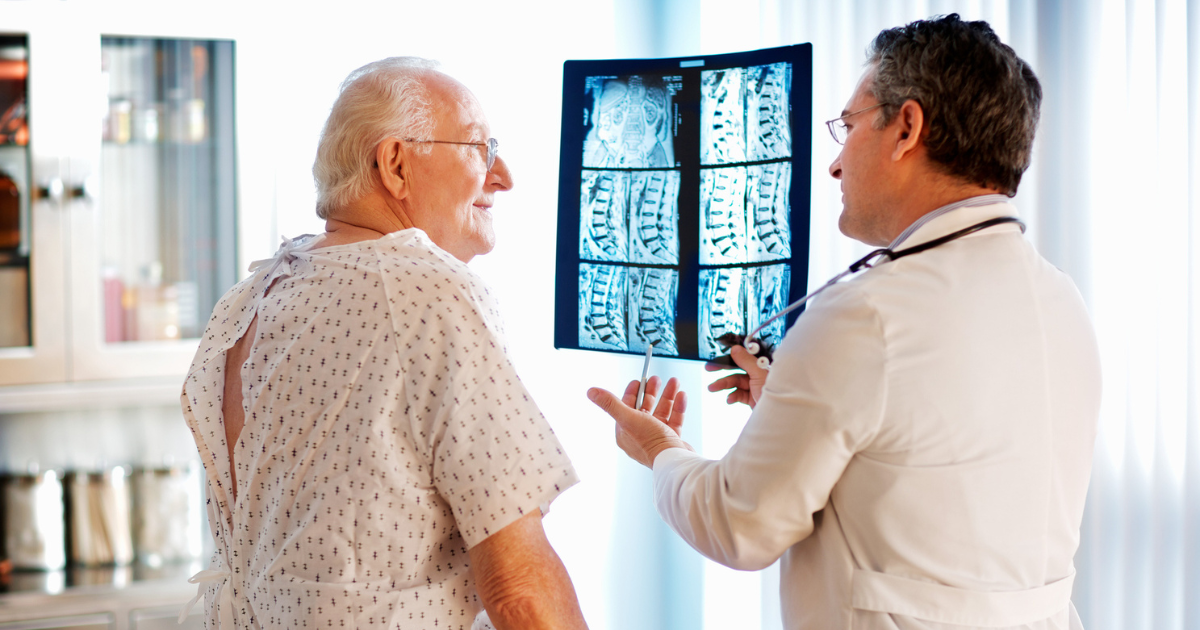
[[385, 98]]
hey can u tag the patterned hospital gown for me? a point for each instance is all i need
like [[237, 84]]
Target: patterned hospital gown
[[386, 433]]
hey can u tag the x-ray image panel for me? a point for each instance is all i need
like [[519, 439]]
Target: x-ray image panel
[[603, 220], [652, 294], [767, 294], [603, 291], [769, 232], [722, 117], [722, 308], [723, 216], [654, 217], [630, 121], [768, 120]]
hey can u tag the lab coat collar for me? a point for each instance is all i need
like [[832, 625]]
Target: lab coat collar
[[956, 216]]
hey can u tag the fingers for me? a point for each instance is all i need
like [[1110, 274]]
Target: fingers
[[675, 419], [733, 381], [663, 411], [717, 367], [746, 361]]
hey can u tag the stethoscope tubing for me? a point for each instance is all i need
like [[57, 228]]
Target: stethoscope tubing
[[867, 262]]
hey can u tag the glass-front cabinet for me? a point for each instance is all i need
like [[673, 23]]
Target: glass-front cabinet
[[118, 199]]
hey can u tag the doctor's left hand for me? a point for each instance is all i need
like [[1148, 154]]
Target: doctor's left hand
[[643, 433]]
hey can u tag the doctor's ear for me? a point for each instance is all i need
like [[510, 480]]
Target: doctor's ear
[[910, 122]]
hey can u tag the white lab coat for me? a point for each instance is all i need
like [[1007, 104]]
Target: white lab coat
[[921, 452]]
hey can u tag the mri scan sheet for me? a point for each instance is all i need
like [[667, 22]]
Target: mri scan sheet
[[683, 200]]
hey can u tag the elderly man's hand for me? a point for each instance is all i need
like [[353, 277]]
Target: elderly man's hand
[[643, 434], [747, 387]]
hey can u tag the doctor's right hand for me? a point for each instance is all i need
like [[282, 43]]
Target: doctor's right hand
[[747, 386]]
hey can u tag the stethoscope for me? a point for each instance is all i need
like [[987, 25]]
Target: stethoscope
[[866, 262]]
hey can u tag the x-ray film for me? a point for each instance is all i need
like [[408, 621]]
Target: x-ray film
[[603, 221], [769, 232], [654, 217], [652, 296], [722, 308], [722, 116], [631, 121], [683, 200], [768, 123], [603, 295], [767, 291]]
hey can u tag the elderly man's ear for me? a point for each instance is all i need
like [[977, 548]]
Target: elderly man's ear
[[393, 167]]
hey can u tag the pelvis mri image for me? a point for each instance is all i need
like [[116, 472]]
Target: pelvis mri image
[[603, 295], [745, 114], [737, 300], [652, 297], [631, 121]]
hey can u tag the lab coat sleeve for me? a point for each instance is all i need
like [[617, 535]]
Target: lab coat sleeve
[[823, 402]]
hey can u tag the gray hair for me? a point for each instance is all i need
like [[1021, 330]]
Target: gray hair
[[980, 100], [385, 98]]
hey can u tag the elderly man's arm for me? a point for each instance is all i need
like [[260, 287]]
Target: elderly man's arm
[[521, 580]]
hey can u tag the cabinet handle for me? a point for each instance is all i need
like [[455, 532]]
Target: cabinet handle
[[52, 190]]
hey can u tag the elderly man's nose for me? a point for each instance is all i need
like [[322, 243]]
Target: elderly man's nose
[[835, 169], [500, 176]]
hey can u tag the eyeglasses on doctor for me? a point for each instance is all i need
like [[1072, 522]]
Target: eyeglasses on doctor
[[838, 129], [493, 147]]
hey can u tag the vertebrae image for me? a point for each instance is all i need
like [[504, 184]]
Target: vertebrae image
[[722, 308], [603, 222], [736, 300], [632, 122], [630, 217], [722, 116], [745, 114], [723, 216], [603, 291], [768, 229], [652, 295], [767, 122]]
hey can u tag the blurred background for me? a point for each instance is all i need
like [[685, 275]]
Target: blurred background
[[1111, 199]]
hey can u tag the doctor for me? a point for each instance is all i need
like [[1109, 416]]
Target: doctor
[[918, 456]]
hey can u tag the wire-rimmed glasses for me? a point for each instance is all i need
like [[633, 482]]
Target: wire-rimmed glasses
[[493, 147], [837, 128]]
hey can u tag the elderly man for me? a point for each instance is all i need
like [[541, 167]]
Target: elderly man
[[919, 452], [373, 459]]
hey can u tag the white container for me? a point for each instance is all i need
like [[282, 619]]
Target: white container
[[167, 515], [98, 517], [33, 521]]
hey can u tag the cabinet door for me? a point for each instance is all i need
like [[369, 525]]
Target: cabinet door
[[153, 230], [33, 308]]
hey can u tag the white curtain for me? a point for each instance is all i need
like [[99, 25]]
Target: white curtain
[[1112, 199]]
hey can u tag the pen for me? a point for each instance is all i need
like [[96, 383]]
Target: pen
[[645, 371]]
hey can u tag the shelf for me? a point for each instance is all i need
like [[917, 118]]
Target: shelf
[[91, 395]]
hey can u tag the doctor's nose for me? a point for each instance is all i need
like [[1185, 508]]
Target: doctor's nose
[[835, 169]]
